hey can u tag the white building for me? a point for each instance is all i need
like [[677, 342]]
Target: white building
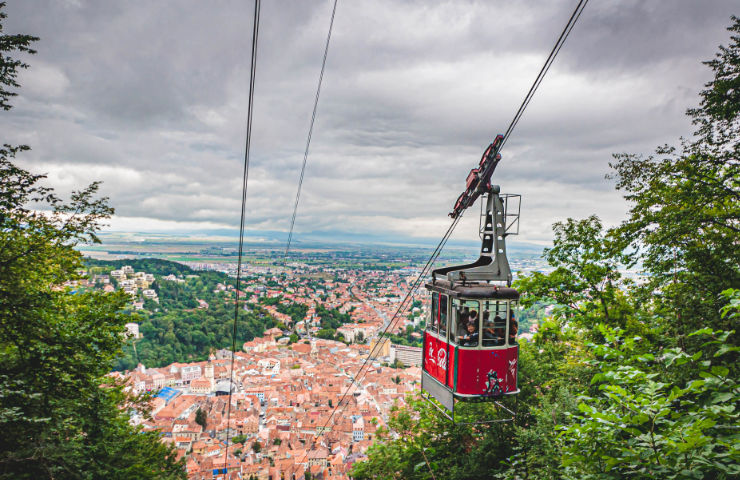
[[410, 356], [270, 366], [149, 293], [190, 373], [132, 330]]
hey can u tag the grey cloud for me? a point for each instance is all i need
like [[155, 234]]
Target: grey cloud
[[151, 98]]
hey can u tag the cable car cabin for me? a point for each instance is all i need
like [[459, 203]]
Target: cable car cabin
[[470, 348]]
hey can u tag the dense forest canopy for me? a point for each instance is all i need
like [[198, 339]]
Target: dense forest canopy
[[177, 328], [622, 380]]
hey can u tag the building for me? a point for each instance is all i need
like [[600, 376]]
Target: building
[[190, 373], [358, 430], [270, 366], [132, 330], [150, 294], [384, 350], [410, 356], [201, 385]]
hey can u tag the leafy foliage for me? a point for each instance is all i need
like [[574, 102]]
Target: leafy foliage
[[9, 64], [642, 424], [201, 418], [175, 329], [420, 441], [686, 205]]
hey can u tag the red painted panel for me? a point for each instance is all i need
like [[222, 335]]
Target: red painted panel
[[451, 368], [486, 372], [435, 357], [512, 368]]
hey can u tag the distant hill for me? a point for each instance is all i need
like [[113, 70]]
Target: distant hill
[[180, 328], [155, 266]]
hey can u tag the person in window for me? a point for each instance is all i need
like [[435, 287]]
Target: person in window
[[473, 317], [513, 328], [500, 336], [499, 332], [488, 327], [471, 339], [463, 317]]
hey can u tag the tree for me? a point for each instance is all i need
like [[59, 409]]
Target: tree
[[639, 425], [326, 333], [586, 278], [61, 416], [201, 418], [420, 443], [9, 65], [238, 439], [683, 223]]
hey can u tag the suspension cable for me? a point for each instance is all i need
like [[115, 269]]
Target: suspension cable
[[245, 178], [402, 306], [310, 133], [545, 68], [438, 250]]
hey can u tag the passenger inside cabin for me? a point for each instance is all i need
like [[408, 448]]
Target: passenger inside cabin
[[513, 328], [499, 333], [463, 316], [488, 326], [471, 339]]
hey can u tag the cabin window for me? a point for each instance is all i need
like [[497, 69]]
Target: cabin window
[[466, 322], [513, 323], [455, 319], [443, 316], [432, 325], [494, 322]]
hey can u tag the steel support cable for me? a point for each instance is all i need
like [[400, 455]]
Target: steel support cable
[[245, 178], [310, 133], [404, 303], [545, 68], [548, 65]]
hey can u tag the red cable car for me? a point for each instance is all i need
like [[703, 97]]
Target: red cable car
[[470, 349]]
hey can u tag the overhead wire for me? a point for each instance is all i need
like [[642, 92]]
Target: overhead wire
[[545, 68], [310, 133], [438, 250], [245, 179], [402, 306]]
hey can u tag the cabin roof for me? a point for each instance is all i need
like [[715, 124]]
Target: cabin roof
[[475, 290]]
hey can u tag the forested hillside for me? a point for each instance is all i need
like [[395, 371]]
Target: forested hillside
[[178, 328], [622, 380]]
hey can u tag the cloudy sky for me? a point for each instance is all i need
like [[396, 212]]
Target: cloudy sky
[[151, 97]]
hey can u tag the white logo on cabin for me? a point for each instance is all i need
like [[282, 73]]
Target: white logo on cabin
[[431, 354], [442, 358]]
